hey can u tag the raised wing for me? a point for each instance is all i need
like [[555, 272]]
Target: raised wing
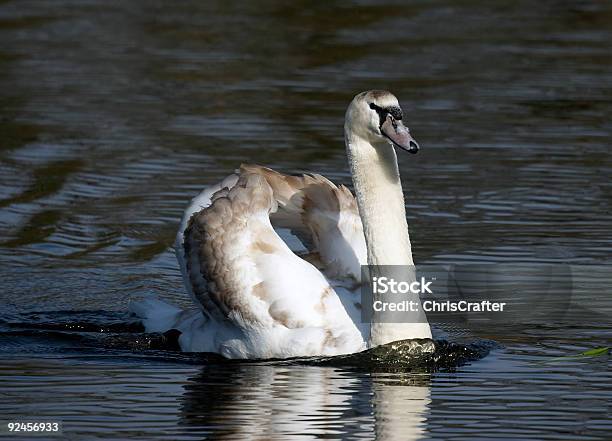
[[243, 273], [324, 216]]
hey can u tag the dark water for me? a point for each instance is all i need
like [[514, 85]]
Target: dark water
[[113, 114]]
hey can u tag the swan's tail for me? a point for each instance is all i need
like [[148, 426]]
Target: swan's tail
[[156, 315]]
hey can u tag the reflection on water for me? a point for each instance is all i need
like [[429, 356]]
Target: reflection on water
[[113, 114], [311, 402]]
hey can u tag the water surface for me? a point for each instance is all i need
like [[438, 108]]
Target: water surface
[[113, 114]]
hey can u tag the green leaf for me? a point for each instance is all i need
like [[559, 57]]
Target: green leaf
[[596, 352]]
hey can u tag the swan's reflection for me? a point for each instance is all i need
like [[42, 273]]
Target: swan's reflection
[[265, 401], [399, 406]]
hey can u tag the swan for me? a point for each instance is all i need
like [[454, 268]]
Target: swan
[[258, 297]]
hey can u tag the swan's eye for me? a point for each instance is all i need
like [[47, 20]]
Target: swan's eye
[[374, 106], [382, 114], [394, 111]]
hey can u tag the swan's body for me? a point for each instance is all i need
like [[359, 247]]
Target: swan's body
[[257, 297]]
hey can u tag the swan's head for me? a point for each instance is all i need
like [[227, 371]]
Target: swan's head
[[376, 116]]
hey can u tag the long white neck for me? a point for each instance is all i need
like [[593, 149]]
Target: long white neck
[[381, 202], [381, 206]]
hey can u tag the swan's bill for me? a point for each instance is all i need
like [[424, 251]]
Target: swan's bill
[[399, 134]]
